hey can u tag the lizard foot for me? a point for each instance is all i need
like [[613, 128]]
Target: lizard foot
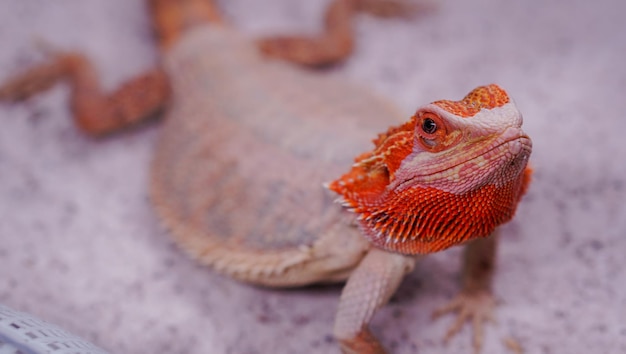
[[36, 79], [476, 307], [362, 343]]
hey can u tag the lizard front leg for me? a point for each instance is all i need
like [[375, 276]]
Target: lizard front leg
[[475, 303], [369, 287]]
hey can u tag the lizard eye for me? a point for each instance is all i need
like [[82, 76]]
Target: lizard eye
[[429, 126], [431, 131]]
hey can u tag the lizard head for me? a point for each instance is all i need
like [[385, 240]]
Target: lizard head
[[453, 172]]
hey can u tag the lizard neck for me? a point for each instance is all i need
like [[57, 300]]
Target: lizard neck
[[438, 219]]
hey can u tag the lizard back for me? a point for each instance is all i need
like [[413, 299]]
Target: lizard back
[[246, 147]]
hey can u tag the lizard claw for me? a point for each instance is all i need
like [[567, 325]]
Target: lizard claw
[[476, 307]]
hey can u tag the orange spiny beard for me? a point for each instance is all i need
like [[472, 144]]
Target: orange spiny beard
[[422, 220]]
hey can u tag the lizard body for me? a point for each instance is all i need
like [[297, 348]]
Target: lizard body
[[254, 152], [271, 135]]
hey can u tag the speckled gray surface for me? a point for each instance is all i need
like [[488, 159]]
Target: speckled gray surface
[[80, 245]]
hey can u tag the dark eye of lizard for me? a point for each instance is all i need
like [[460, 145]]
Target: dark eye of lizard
[[429, 126]]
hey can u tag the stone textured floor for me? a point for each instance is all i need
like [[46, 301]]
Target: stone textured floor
[[80, 246]]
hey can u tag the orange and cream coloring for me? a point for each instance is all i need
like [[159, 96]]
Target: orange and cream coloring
[[453, 172]]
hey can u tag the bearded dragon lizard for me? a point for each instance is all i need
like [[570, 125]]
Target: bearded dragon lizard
[[254, 153]]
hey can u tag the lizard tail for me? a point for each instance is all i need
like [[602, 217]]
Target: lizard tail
[[171, 18]]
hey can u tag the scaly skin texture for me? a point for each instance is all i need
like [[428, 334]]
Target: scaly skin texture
[[454, 172], [249, 143]]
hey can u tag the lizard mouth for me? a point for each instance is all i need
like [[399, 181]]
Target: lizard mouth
[[506, 153], [511, 144]]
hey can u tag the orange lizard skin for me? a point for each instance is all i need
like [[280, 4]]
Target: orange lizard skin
[[408, 201]]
